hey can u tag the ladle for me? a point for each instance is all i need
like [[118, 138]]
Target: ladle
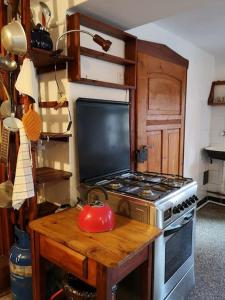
[[7, 64]]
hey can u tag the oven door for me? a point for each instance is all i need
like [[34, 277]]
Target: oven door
[[174, 255]]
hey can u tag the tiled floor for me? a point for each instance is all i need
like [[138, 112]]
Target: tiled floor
[[210, 259]]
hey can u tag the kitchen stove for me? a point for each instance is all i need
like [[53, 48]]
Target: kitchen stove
[[168, 202], [157, 198]]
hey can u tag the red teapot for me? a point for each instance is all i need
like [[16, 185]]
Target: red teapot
[[96, 216]]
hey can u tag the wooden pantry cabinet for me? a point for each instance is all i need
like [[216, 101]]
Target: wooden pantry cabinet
[[160, 107]]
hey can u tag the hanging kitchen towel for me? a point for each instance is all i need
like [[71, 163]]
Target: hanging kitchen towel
[[27, 81], [23, 184]]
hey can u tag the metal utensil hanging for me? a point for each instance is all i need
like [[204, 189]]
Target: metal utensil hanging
[[13, 39], [11, 122], [13, 36], [46, 14], [7, 64], [5, 109]]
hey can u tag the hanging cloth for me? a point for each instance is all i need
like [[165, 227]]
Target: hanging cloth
[[27, 81], [23, 184]]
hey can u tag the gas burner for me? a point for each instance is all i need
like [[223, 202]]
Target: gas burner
[[139, 177], [149, 194], [127, 181], [147, 178], [156, 179], [115, 185], [174, 182]]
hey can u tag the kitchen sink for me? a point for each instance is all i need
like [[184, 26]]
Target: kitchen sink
[[216, 152]]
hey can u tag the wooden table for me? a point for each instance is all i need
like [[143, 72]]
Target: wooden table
[[99, 259]]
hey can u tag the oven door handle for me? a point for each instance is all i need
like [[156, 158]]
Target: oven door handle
[[174, 229]]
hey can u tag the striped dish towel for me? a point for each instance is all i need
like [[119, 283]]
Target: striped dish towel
[[23, 184]]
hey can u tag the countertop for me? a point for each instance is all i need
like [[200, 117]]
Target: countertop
[[110, 248]]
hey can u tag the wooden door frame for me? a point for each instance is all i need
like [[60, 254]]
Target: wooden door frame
[[160, 51]]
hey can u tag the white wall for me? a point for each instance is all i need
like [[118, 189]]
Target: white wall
[[198, 113], [217, 168]]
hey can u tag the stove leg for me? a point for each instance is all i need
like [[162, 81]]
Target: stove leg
[[114, 292]]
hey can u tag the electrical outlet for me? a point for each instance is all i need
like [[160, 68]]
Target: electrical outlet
[[205, 177]]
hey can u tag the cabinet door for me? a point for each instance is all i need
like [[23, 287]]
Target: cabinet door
[[171, 146], [160, 107], [154, 144]]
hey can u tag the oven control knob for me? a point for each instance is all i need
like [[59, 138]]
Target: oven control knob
[[185, 204], [189, 201], [180, 207], [176, 210], [193, 199]]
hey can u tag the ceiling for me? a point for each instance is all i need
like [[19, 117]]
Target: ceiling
[[132, 13], [204, 27], [199, 21]]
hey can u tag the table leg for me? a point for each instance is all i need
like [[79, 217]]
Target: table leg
[[146, 278], [38, 269], [105, 288]]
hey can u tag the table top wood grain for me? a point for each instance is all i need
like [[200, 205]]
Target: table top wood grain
[[110, 248]]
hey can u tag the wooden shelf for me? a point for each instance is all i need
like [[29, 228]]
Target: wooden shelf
[[211, 99], [104, 84], [106, 57], [53, 136], [46, 174], [45, 60], [51, 104], [46, 104], [76, 50], [216, 104]]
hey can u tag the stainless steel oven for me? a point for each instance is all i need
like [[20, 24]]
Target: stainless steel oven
[[174, 214], [174, 259]]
